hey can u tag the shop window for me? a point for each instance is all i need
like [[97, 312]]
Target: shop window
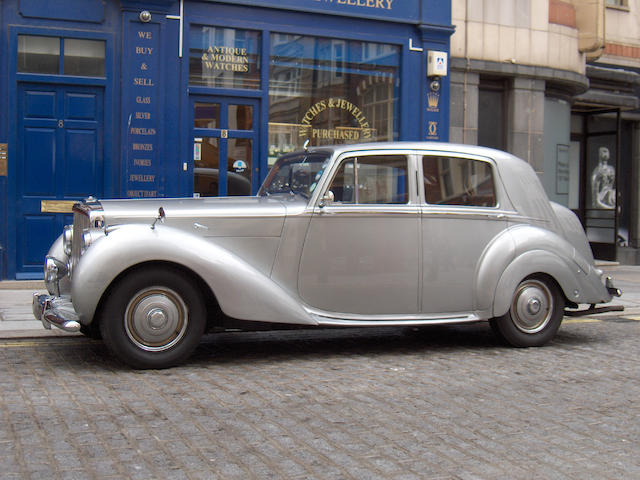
[[224, 57], [458, 181], [80, 57], [331, 91]]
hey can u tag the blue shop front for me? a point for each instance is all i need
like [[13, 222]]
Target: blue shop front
[[139, 99]]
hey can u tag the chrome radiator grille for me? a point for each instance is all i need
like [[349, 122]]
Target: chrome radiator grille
[[80, 223]]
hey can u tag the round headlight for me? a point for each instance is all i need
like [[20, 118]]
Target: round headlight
[[67, 238]]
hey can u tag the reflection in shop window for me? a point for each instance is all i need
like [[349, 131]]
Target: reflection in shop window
[[331, 91], [224, 57]]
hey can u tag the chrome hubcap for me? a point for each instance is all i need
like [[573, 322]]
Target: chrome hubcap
[[532, 306], [156, 319]]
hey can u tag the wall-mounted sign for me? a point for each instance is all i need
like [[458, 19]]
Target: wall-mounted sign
[[433, 101], [562, 169], [142, 45], [57, 206], [399, 10], [432, 131]]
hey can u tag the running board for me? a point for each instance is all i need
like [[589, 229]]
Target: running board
[[592, 310]]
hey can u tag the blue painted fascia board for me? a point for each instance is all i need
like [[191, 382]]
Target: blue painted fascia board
[[401, 11]]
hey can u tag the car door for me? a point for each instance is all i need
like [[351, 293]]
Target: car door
[[461, 215], [361, 253]]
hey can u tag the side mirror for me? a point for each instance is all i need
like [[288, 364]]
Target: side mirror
[[327, 199]]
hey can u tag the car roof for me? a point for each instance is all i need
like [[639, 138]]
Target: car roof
[[431, 146]]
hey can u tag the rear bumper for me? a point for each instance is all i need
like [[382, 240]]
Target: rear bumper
[[612, 290], [56, 311]]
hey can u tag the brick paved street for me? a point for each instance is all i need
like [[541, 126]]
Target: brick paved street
[[441, 403]]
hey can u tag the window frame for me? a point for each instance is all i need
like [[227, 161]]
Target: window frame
[[413, 191], [61, 39]]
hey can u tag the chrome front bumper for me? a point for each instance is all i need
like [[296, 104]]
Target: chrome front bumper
[[56, 311]]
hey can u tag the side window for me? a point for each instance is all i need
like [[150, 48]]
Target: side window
[[375, 179], [458, 181]]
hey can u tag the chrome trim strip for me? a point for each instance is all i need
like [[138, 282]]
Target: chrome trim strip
[[353, 319], [373, 211], [332, 322]]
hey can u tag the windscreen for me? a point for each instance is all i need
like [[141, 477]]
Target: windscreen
[[296, 174]]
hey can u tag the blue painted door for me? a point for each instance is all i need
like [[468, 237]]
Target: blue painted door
[[60, 158], [225, 145]]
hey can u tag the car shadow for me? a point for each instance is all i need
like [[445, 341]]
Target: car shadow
[[282, 346], [326, 343]]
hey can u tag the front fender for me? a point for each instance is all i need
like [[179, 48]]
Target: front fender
[[242, 291]]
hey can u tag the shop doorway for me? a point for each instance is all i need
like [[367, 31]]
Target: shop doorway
[[604, 150], [225, 145], [59, 161]]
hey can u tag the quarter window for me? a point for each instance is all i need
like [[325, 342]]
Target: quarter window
[[379, 179], [458, 181]]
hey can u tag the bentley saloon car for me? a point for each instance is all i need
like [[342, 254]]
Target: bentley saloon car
[[402, 234]]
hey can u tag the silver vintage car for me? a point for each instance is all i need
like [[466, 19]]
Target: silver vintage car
[[354, 235]]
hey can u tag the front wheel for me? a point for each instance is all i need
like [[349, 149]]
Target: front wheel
[[153, 318], [534, 316]]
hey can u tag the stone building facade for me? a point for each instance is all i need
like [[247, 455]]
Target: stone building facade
[[556, 82]]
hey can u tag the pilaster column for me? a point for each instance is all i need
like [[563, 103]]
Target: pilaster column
[[525, 121], [464, 107]]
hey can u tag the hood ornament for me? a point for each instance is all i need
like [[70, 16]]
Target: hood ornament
[[161, 216]]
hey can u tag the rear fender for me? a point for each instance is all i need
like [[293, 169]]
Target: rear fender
[[535, 262], [242, 291]]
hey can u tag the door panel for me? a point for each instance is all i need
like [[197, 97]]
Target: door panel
[[361, 263], [459, 220], [39, 104], [39, 162], [60, 157], [361, 253], [453, 244], [82, 167]]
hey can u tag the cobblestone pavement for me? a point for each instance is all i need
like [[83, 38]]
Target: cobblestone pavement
[[435, 403]]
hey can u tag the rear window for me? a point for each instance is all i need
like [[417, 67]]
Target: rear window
[[458, 181]]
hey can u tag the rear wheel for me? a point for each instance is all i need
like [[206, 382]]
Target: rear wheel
[[534, 316], [153, 318]]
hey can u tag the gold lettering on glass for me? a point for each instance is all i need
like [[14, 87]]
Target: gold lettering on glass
[[363, 132]]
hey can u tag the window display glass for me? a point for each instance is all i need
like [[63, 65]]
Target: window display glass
[[331, 91], [224, 57]]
